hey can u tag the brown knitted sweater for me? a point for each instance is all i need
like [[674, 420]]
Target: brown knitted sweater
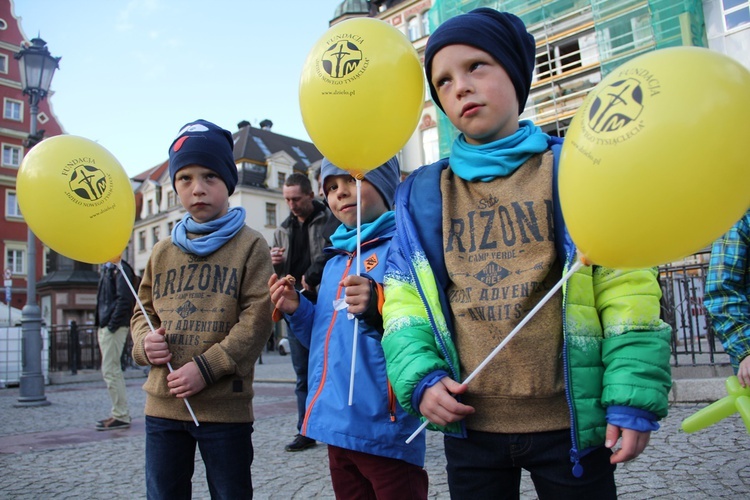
[[217, 312]]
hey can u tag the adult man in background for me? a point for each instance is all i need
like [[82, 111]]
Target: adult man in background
[[114, 308], [296, 245]]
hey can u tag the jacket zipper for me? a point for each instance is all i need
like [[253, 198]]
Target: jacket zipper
[[325, 350], [574, 453]]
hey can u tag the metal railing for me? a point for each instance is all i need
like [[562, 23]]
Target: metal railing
[[75, 347]]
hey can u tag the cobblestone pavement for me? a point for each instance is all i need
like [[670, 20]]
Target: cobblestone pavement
[[54, 452]]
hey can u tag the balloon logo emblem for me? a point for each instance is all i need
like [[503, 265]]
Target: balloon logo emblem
[[616, 107], [88, 183]]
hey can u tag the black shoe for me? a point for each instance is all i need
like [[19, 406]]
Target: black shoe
[[111, 424], [300, 443]]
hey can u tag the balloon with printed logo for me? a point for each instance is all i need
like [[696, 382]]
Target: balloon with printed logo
[[76, 197], [361, 93], [654, 166]]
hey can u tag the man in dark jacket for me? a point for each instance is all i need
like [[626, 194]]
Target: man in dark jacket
[[297, 243], [114, 307]]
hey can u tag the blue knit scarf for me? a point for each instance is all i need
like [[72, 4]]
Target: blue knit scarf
[[345, 238], [500, 158], [216, 232]]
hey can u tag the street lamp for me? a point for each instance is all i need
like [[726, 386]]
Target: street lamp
[[37, 68]]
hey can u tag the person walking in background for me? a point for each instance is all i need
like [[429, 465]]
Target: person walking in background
[[114, 308], [727, 295], [478, 244], [297, 243], [205, 292], [367, 451]]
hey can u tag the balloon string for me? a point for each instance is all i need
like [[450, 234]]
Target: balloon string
[[356, 320], [151, 326], [575, 267]]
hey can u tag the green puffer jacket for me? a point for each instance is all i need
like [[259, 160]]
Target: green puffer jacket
[[616, 349]]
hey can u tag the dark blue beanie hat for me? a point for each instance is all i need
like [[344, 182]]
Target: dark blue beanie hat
[[385, 178], [205, 144], [500, 34]]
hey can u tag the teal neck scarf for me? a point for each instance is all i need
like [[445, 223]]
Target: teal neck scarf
[[345, 238], [500, 158], [215, 233]]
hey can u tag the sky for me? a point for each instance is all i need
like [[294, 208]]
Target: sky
[[134, 71]]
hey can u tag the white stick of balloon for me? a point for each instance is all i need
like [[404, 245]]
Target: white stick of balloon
[[575, 267], [150, 325]]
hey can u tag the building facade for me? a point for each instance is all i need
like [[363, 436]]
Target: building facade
[[578, 43], [15, 127]]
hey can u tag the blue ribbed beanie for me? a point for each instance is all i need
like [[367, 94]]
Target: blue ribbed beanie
[[205, 144], [385, 178], [500, 34]]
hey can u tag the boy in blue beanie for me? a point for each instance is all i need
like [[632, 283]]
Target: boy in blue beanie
[[204, 290], [367, 453], [467, 265]]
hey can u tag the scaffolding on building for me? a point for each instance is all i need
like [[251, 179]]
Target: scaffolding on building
[[578, 43]]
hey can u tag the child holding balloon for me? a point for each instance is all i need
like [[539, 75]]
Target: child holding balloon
[[480, 239], [204, 290], [367, 453]]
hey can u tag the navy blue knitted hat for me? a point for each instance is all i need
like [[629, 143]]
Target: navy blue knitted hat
[[205, 144], [385, 178], [500, 34]]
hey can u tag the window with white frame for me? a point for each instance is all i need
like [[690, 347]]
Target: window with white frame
[[12, 210], [430, 145], [413, 26], [154, 235], [12, 155], [736, 13], [271, 214], [12, 109], [15, 257], [3, 63], [425, 24]]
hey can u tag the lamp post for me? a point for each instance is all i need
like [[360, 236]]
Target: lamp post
[[37, 68]]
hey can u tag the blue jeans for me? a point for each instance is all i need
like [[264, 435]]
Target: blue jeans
[[488, 465], [226, 449], [300, 355]]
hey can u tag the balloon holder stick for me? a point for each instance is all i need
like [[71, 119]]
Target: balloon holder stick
[[575, 267], [143, 310]]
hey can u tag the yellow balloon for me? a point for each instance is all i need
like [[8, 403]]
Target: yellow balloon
[[654, 166], [361, 93], [77, 199]]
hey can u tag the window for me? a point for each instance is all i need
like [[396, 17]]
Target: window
[[141, 241], [12, 155], [170, 226], [149, 207], [13, 110], [171, 199], [425, 24], [280, 178], [413, 27], [11, 205], [736, 13], [430, 145], [154, 235], [15, 258], [3, 63], [271, 214]]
